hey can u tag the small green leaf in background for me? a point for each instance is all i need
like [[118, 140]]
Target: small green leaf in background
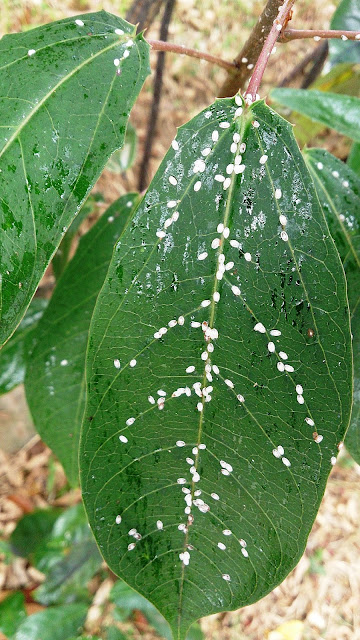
[[61, 257], [60, 545], [353, 160], [55, 380], [127, 600], [339, 112], [344, 79], [12, 613], [338, 189], [55, 623], [124, 158], [345, 18], [32, 530], [66, 91], [12, 355], [219, 370]]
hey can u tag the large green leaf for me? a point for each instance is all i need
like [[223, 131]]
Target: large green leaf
[[12, 355], [339, 112], [346, 18], [54, 623], [220, 295], [55, 380], [66, 90], [338, 189]]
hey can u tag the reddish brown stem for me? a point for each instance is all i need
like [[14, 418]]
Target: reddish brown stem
[[300, 34], [278, 24], [159, 45]]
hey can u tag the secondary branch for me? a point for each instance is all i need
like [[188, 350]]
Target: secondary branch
[[318, 34], [160, 45]]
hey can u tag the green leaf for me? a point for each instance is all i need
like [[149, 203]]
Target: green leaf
[[61, 257], [338, 189], [69, 530], [12, 613], [12, 355], [55, 380], [127, 600], [339, 112], [345, 18], [353, 160], [64, 107], [124, 158], [67, 579], [273, 307], [32, 531], [344, 78], [55, 623]]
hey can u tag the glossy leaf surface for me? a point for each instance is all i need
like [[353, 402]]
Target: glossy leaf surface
[[339, 112], [55, 387], [339, 193], [217, 349], [54, 623], [347, 18], [66, 90], [12, 355]]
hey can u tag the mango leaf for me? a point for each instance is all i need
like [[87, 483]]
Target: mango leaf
[[124, 158], [66, 91], [347, 18], [219, 373], [55, 380], [54, 623], [353, 160], [339, 112], [12, 613], [338, 189], [12, 355]]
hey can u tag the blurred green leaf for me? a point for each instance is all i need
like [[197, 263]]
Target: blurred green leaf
[[338, 189], [345, 18], [55, 379], [344, 78], [124, 158], [67, 579], [61, 257], [354, 158], [112, 633], [12, 613], [70, 528], [54, 623], [33, 530], [12, 355], [339, 112], [127, 600]]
